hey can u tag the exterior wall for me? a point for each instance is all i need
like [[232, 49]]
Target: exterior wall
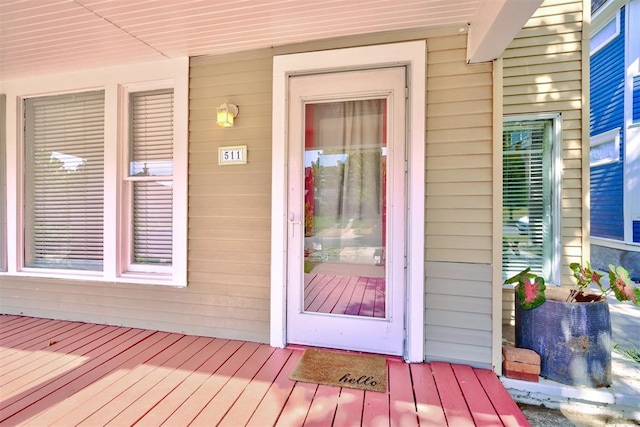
[[607, 113], [229, 211], [458, 313], [459, 205], [229, 206], [545, 71]]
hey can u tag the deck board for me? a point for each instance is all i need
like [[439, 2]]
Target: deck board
[[83, 374], [428, 404], [455, 407], [24, 358], [211, 386], [375, 411], [350, 295], [402, 410], [255, 391], [323, 406], [104, 389], [480, 406], [66, 383], [222, 402], [505, 406], [270, 407], [151, 389]]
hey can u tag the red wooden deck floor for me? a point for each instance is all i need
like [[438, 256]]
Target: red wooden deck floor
[[352, 295], [69, 373]]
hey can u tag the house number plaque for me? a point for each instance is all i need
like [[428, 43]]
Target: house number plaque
[[236, 155]]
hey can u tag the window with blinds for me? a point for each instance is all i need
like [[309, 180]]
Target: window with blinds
[[528, 197], [151, 176], [64, 181]]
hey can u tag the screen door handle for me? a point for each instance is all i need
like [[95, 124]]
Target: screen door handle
[[293, 222]]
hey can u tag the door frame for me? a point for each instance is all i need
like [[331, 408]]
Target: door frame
[[413, 56]]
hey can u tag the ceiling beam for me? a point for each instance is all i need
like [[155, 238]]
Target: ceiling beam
[[495, 25]]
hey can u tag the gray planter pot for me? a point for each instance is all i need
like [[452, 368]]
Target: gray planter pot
[[572, 339]]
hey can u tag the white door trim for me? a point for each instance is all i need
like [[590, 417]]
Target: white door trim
[[413, 55]]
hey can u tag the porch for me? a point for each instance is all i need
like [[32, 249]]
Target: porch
[[72, 373]]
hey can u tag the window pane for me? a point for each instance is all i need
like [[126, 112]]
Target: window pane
[[151, 133], [152, 222], [151, 155], [527, 197], [603, 152], [604, 36], [64, 181]]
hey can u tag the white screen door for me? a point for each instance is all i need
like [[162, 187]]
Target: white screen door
[[346, 210]]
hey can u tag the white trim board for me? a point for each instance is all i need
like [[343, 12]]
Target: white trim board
[[412, 55]]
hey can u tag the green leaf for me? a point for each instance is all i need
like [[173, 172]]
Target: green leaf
[[622, 286], [520, 276], [531, 294]]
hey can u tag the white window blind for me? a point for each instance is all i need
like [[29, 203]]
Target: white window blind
[[527, 196], [64, 181], [151, 176], [3, 193]]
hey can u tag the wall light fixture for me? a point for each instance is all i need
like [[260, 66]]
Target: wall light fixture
[[226, 113]]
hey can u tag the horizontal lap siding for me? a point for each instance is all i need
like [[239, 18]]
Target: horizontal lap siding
[[543, 74], [607, 72], [230, 206], [458, 313], [458, 205], [459, 154]]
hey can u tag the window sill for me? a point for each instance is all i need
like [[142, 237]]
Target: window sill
[[124, 279]]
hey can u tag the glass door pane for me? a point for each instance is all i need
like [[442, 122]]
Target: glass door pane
[[345, 208]]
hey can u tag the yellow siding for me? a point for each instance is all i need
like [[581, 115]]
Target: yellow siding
[[459, 155], [230, 206], [544, 72]]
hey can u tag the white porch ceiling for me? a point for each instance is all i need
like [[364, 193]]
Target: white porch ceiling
[[52, 36]]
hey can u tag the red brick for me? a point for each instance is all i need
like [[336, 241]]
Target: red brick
[[525, 368], [522, 355], [521, 376]]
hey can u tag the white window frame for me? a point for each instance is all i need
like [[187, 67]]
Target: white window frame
[[552, 272], [608, 137], [3, 189], [131, 269], [598, 38], [115, 81]]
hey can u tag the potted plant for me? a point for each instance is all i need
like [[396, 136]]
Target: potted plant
[[570, 328]]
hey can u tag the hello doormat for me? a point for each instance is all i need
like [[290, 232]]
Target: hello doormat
[[342, 370]]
